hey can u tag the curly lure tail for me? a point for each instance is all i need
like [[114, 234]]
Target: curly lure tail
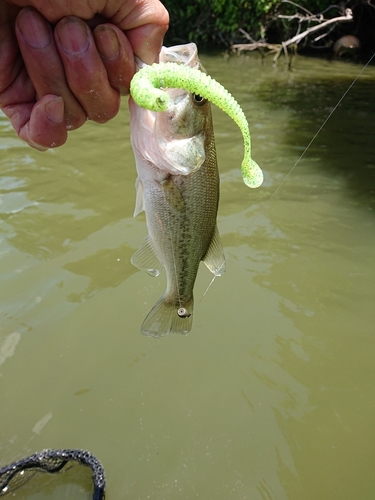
[[146, 85]]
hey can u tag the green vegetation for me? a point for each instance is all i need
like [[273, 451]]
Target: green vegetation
[[217, 22]]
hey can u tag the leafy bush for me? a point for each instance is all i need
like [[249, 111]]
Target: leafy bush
[[217, 22]]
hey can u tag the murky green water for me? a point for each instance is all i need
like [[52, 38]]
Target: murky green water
[[272, 394]]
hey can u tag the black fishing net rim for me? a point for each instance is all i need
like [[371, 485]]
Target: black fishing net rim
[[53, 461]]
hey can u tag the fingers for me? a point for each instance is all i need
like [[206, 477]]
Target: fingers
[[41, 125], [145, 23], [147, 41], [10, 62], [44, 65], [68, 65], [46, 127], [68, 73], [117, 56], [85, 71]]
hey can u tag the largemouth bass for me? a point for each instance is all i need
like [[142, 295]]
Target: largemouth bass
[[178, 187]]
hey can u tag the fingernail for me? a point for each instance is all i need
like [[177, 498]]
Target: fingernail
[[55, 110], [106, 42], [73, 35], [33, 28]]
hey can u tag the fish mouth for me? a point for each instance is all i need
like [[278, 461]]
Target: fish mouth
[[171, 145], [181, 54], [187, 55]]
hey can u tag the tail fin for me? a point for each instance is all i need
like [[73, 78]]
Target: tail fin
[[166, 318]]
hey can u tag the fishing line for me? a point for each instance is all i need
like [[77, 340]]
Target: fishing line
[[299, 159], [265, 203], [209, 286], [318, 132]]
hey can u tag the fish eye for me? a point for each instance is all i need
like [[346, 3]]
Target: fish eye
[[198, 99]]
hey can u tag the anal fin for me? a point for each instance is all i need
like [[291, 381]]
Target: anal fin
[[215, 258]]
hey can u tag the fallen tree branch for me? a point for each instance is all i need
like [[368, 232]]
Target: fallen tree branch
[[341, 19], [272, 47], [295, 40]]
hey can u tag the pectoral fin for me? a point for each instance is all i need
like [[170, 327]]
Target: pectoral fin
[[214, 258], [146, 259], [139, 200]]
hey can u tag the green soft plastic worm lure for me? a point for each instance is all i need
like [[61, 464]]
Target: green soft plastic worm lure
[[146, 90]]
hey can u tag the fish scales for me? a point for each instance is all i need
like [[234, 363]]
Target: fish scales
[[186, 234], [178, 187]]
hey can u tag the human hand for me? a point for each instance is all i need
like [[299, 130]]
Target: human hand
[[56, 70]]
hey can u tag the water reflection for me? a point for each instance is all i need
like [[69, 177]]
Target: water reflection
[[106, 268]]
